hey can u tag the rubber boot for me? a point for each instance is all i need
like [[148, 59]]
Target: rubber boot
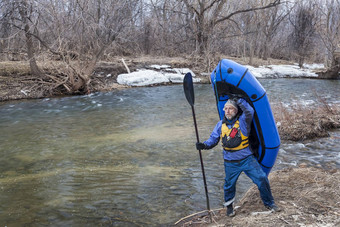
[[230, 211]]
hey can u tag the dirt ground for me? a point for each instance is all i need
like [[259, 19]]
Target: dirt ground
[[307, 197]]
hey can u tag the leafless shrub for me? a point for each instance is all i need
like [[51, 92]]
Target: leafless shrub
[[299, 123]]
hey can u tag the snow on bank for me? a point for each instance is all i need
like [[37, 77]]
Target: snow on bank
[[146, 77], [279, 71], [159, 74]]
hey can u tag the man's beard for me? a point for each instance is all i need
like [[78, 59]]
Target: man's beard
[[231, 116]]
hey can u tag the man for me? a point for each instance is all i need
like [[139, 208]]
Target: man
[[234, 130]]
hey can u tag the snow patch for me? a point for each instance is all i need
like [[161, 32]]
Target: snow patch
[[314, 66], [166, 74], [146, 77], [160, 66], [142, 78], [278, 71]]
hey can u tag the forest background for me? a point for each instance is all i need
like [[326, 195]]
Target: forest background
[[55, 47]]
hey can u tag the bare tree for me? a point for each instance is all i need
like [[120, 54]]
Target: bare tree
[[26, 10], [304, 30], [209, 13], [329, 28], [22, 15], [248, 25], [80, 32], [169, 26], [271, 18]]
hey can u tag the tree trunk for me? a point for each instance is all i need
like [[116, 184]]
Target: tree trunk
[[29, 41], [301, 60], [31, 54], [266, 53], [251, 53], [334, 71], [202, 38], [84, 76]]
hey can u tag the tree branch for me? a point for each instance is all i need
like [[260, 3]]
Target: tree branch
[[275, 3]]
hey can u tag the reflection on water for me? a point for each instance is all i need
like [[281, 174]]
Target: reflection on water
[[127, 158]]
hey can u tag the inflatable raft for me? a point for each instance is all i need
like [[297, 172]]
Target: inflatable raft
[[230, 79]]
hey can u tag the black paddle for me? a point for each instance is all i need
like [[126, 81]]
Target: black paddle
[[189, 94]]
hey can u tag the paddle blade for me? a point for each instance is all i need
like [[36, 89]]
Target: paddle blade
[[189, 88]]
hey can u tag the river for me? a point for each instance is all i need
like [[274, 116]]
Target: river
[[128, 158]]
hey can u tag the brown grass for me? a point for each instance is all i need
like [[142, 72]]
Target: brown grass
[[10, 68], [307, 197], [300, 123]]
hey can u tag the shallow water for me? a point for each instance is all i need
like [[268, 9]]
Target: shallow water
[[127, 158]]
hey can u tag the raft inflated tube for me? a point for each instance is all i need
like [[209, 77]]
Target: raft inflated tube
[[230, 79]]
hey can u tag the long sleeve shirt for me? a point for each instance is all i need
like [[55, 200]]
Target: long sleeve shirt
[[245, 120]]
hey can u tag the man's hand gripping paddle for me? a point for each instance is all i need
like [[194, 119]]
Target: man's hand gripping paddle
[[189, 94]]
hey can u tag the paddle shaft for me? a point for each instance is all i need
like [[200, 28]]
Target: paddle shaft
[[201, 159], [190, 96]]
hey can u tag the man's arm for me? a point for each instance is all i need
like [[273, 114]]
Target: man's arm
[[214, 137], [247, 115]]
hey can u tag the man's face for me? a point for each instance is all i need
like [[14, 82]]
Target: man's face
[[230, 112]]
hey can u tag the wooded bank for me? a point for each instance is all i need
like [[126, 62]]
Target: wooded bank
[[79, 34]]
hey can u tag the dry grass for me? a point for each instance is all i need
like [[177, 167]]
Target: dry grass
[[307, 197], [10, 68], [301, 123], [16, 69]]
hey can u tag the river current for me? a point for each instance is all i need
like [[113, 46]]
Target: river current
[[128, 158]]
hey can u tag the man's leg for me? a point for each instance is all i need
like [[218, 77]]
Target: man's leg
[[254, 171], [232, 172]]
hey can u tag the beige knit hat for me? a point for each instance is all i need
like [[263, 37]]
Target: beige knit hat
[[230, 103]]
